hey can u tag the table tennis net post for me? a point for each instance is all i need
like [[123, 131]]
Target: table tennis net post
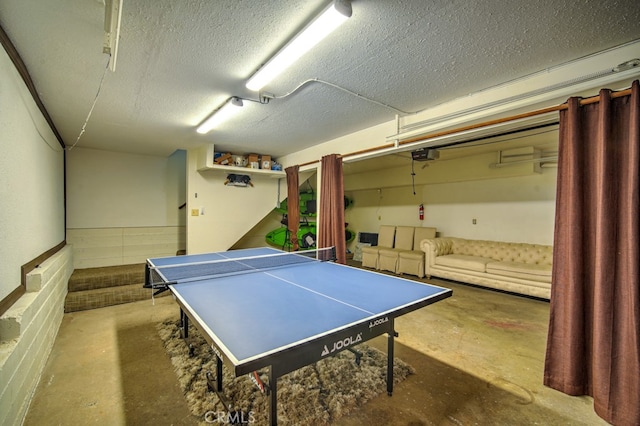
[[187, 272]]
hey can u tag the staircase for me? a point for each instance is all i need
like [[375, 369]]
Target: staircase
[[93, 288]]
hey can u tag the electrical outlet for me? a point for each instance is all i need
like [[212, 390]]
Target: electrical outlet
[[474, 221]]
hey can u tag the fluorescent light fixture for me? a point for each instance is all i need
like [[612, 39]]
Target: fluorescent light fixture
[[112, 20], [225, 112], [332, 17]]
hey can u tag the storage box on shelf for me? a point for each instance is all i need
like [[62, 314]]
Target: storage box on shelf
[[223, 160], [205, 162]]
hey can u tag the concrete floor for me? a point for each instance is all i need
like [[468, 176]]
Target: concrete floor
[[479, 357]]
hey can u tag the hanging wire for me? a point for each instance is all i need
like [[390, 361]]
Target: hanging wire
[[413, 177], [95, 100], [317, 80], [37, 118]]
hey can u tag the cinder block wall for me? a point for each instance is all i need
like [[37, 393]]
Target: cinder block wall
[[27, 332]]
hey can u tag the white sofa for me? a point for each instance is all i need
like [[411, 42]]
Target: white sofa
[[514, 267]]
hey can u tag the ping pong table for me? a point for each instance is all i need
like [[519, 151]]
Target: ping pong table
[[263, 308]]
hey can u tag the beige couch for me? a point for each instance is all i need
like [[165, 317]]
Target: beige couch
[[412, 261], [398, 250], [514, 267], [386, 238], [388, 256]]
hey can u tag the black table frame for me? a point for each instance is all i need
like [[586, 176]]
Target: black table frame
[[308, 352]]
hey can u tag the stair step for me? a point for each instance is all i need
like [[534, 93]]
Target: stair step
[[102, 297], [104, 277]]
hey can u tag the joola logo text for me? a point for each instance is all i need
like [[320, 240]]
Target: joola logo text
[[216, 351], [342, 344], [378, 322]]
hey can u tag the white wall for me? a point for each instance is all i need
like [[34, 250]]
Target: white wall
[[514, 203], [31, 179], [518, 209], [255, 237], [31, 223], [229, 211], [374, 207], [111, 189], [124, 208], [177, 188]]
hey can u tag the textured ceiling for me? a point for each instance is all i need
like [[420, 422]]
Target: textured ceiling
[[180, 60]]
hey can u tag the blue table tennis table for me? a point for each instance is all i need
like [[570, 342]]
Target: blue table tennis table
[[264, 308]]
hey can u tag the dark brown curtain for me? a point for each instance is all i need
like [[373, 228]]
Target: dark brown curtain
[[293, 205], [332, 227], [593, 346]]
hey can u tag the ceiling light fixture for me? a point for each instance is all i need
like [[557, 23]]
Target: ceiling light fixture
[[226, 111], [112, 20], [330, 19]]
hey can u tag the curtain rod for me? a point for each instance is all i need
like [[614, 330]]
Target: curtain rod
[[564, 106]]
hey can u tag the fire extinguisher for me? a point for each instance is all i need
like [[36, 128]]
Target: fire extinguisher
[[421, 212]]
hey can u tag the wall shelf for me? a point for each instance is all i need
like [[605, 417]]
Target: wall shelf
[[205, 163]]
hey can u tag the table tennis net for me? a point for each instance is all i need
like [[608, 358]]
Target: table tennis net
[[219, 268]]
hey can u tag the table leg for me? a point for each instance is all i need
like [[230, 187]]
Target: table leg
[[273, 398], [184, 331], [184, 324], [214, 384], [390, 340], [147, 276], [218, 374]]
